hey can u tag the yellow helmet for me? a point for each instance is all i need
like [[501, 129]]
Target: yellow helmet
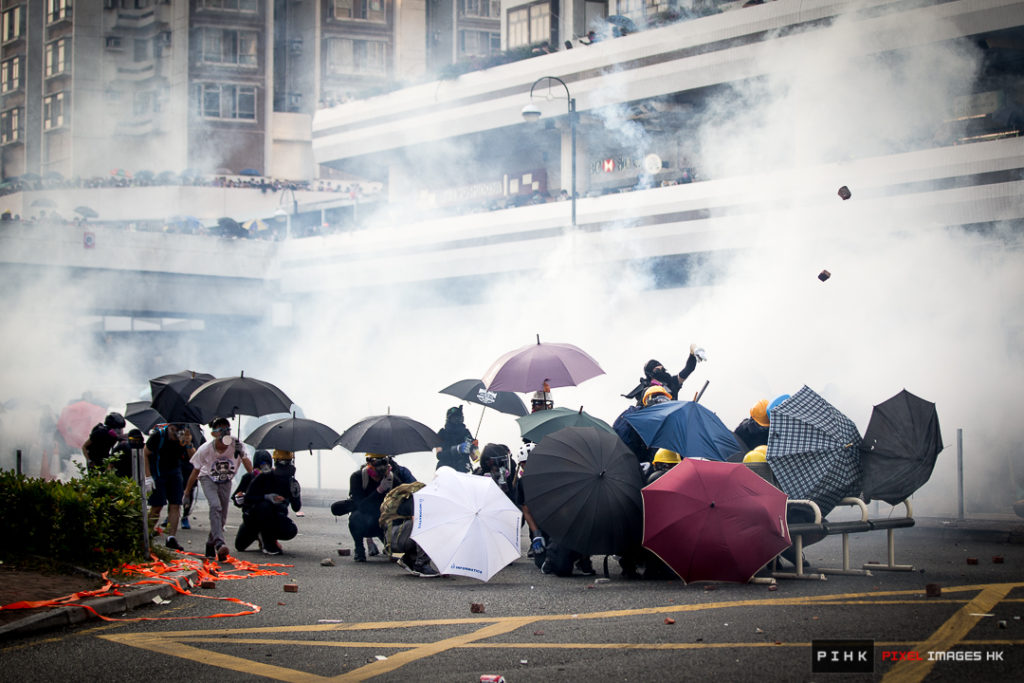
[[283, 455], [759, 413], [758, 454], [667, 456], [656, 390]]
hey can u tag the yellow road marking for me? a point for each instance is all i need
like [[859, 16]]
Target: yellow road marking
[[948, 635]]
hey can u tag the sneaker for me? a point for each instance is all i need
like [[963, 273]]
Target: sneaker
[[173, 544], [585, 567], [401, 563], [222, 552], [184, 523], [537, 547], [210, 552], [371, 548], [425, 569], [273, 549]]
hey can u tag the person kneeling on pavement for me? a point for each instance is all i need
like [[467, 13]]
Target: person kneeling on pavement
[[265, 506], [396, 513], [366, 489]]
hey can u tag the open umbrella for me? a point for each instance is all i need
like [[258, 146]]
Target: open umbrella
[[293, 434], [583, 488], [474, 391], [389, 435], [249, 171], [170, 394], [714, 521], [77, 420], [142, 415], [255, 225], [814, 450], [900, 446], [466, 524], [229, 396], [686, 427], [527, 368], [538, 425]]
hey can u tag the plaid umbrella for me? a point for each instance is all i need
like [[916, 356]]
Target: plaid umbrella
[[814, 450]]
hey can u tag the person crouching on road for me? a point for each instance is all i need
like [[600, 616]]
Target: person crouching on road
[[367, 487], [265, 507], [215, 463]]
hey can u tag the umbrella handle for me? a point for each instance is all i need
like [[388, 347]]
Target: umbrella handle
[[483, 409]]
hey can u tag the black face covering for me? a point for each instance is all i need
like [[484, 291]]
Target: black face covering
[[662, 376], [284, 470]]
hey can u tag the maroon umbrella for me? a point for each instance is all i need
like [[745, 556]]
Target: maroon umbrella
[[714, 521], [77, 420], [528, 368]]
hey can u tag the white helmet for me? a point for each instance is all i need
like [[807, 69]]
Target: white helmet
[[524, 451]]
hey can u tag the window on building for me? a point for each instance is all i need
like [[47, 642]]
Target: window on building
[[14, 23], [529, 24], [223, 101], [57, 10], [10, 126], [53, 111], [479, 43], [10, 75], [230, 5], [367, 10], [481, 8], [345, 56], [56, 57], [225, 46]]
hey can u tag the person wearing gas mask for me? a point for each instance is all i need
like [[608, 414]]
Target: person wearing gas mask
[[366, 488], [162, 457], [216, 462], [265, 506], [496, 462], [656, 374], [457, 443]]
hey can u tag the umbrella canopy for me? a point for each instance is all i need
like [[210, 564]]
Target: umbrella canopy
[[466, 524], [142, 415], [583, 488], [171, 393], [686, 427], [474, 391], [390, 435], [77, 420], [229, 227], [293, 434], [249, 171], [538, 425], [526, 369], [255, 225], [230, 396], [900, 446], [714, 521], [814, 450]]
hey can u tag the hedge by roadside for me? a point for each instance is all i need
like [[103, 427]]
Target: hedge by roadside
[[93, 522]]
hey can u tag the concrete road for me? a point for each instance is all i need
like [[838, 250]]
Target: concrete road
[[374, 621]]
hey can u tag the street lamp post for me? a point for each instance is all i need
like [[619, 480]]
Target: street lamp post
[[531, 112]]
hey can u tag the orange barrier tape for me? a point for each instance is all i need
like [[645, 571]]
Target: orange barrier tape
[[205, 568]]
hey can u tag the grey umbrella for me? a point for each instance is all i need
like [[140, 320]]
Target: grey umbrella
[[814, 450]]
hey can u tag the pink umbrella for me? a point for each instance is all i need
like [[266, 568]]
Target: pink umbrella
[[77, 420], [528, 368], [714, 521]]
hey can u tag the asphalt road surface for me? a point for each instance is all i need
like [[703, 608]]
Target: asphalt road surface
[[374, 621]]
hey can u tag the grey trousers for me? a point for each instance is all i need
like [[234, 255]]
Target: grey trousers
[[218, 495]]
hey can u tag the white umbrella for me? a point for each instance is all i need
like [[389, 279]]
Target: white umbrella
[[466, 524]]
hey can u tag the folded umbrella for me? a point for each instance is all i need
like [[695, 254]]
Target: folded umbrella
[[293, 434], [389, 435], [230, 396], [686, 427], [526, 369], [583, 488], [538, 425], [900, 446], [466, 524], [171, 393], [814, 450], [714, 521]]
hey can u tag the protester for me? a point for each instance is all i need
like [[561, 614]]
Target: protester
[[653, 395], [396, 515], [655, 373], [216, 462], [496, 462], [753, 431], [162, 457], [265, 506], [101, 441], [542, 399], [262, 463], [538, 541], [457, 443], [367, 487], [664, 460]]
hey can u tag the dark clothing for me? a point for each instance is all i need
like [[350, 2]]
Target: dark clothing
[[238, 495], [102, 440], [671, 382], [750, 435], [167, 453], [505, 479], [123, 464], [453, 435], [364, 520], [630, 437], [266, 519], [168, 488]]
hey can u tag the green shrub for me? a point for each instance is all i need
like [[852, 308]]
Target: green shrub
[[93, 522]]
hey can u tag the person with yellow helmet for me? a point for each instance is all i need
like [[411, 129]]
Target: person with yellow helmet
[[752, 431], [655, 374], [664, 460]]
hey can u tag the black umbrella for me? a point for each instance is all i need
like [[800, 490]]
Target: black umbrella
[[229, 227], [389, 435], [293, 434], [474, 391], [171, 393], [142, 415], [900, 446], [582, 486], [230, 396]]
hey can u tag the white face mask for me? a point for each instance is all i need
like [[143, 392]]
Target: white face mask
[[227, 440]]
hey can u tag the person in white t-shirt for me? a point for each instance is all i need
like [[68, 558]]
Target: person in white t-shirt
[[216, 462]]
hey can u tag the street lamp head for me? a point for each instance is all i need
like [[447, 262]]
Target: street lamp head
[[531, 112]]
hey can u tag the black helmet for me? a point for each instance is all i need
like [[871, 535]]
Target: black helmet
[[114, 421]]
